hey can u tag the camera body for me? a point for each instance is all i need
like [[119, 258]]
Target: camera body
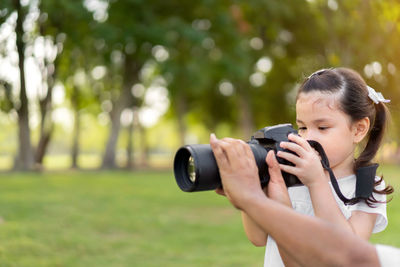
[[196, 169], [270, 138]]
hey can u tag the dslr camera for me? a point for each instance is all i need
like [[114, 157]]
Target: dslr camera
[[196, 169]]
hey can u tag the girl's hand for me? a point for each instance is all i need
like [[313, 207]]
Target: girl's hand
[[308, 167], [276, 188]]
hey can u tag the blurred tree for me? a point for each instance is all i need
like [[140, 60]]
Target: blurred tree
[[130, 37], [189, 69], [25, 159], [50, 35], [74, 42], [278, 43], [207, 63], [387, 16], [223, 62]]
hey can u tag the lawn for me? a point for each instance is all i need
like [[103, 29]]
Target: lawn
[[128, 219]]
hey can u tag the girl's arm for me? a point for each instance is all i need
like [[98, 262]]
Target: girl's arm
[[363, 223], [253, 231]]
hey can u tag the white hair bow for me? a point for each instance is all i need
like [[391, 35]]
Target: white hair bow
[[376, 96]]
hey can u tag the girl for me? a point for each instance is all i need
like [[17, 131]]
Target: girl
[[336, 108]]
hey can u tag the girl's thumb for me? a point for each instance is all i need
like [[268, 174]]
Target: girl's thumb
[[271, 160], [273, 167]]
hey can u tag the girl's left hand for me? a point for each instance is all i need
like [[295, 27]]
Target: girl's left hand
[[308, 167]]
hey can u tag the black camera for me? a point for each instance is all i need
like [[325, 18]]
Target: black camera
[[196, 169]]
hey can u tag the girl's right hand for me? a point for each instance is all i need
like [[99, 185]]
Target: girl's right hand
[[307, 162]]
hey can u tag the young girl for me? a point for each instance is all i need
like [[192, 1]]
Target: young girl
[[336, 108]]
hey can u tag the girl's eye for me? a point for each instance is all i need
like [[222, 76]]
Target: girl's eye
[[322, 128], [302, 128]]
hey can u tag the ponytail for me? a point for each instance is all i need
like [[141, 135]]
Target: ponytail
[[377, 131], [376, 134]]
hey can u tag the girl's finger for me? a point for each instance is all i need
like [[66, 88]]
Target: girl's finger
[[273, 167], [290, 157], [289, 169], [271, 160], [294, 147], [300, 141]]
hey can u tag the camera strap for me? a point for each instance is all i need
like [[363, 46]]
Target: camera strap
[[365, 177]]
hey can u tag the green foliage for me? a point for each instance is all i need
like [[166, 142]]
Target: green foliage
[[5, 10], [389, 236], [6, 101]]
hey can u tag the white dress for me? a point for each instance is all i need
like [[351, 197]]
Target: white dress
[[301, 202]]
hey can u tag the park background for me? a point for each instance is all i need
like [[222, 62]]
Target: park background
[[97, 95]]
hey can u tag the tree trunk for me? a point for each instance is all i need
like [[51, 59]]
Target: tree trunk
[[41, 148], [144, 150], [77, 129], [24, 160], [125, 100], [48, 71], [129, 147], [46, 123], [181, 111], [109, 155], [246, 115], [75, 141]]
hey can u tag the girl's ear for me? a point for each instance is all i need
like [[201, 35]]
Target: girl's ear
[[361, 129]]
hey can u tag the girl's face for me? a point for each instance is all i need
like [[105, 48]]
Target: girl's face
[[319, 118]]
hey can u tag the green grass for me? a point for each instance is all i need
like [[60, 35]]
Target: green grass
[[88, 161], [117, 219], [128, 219], [391, 235]]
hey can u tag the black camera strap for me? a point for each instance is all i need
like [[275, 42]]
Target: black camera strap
[[365, 177]]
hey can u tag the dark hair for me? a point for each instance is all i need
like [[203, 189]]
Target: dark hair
[[355, 102]]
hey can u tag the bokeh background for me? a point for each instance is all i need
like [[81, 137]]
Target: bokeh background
[[97, 95]]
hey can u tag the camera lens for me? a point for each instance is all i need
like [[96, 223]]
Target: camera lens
[[191, 169], [195, 168]]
